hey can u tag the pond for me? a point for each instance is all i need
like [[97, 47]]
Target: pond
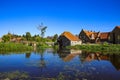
[[60, 65]]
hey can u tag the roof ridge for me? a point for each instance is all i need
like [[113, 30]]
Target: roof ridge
[[118, 26], [70, 36]]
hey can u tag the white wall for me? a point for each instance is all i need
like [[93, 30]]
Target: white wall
[[73, 43]]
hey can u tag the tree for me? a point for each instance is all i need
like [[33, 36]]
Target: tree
[[28, 36], [42, 29], [55, 37], [37, 38], [6, 38]]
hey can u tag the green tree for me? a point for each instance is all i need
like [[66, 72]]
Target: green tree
[[37, 38], [24, 37], [28, 36], [6, 38], [55, 37]]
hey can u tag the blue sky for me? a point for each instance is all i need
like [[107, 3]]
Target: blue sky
[[21, 16]]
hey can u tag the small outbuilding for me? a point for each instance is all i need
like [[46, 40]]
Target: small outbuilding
[[68, 39]]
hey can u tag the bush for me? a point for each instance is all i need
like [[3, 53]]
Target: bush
[[42, 45]]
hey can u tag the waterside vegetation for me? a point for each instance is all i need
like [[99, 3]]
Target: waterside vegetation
[[9, 47], [26, 42], [105, 47]]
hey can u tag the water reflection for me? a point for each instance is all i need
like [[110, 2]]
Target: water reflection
[[63, 64], [90, 56], [93, 66], [42, 61], [68, 54], [115, 59], [84, 56], [28, 54]]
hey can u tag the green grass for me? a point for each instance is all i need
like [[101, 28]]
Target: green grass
[[42, 45], [112, 48], [14, 47], [19, 47]]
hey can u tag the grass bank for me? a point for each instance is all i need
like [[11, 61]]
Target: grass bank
[[97, 47], [14, 47], [42, 46]]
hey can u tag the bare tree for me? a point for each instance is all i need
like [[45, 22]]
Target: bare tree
[[42, 29]]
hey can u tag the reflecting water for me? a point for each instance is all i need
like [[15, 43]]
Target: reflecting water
[[61, 65]]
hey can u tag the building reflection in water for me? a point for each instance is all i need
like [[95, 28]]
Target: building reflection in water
[[115, 60], [90, 56], [68, 55]]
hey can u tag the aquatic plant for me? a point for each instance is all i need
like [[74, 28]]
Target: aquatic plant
[[15, 75]]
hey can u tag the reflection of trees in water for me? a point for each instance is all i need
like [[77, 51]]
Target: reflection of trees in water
[[39, 63], [42, 63], [28, 54], [52, 50], [40, 51]]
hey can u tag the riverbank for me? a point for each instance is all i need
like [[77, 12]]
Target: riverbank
[[113, 48], [19, 47], [11, 47]]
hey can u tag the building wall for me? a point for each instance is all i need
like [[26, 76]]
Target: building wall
[[73, 43], [94, 38], [115, 36], [84, 37], [63, 41]]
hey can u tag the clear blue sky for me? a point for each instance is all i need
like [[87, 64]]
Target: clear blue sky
[[21, 16]]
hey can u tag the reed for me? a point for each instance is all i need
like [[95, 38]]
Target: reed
[[11, 47]]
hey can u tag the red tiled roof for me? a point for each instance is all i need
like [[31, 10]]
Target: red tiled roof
[[90, 33], [70, 36], [104, 35], [118, 27]]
